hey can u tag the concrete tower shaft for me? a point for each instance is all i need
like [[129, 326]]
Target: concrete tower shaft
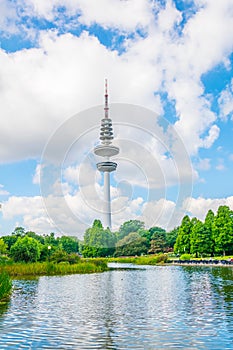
[[106, 150]]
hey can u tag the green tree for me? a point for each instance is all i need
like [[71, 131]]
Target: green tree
[[32, 234], [69, 244], [10, 240], [158, 241], [145, 233], [51, 240], [223, 230], [200, 239], [130, 226], [209, 221], [182, 244], [132, 244], [98, 242], [171, 237], [3, 246], [19, 231], [26, 249]]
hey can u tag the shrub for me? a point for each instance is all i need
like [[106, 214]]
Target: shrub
[[73, 258], [25, 249], [152, 260], [4, 259], [59, 256], [185, 257]]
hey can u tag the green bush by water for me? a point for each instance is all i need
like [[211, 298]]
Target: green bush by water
[[185, 257], [5, 286], [143, 260]]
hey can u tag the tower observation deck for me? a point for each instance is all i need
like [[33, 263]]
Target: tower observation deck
[[106, 150]]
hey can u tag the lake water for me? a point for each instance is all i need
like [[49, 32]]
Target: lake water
[[167, 307]]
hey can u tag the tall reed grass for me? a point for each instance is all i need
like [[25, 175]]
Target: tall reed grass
[[51, 268], [5, 286]]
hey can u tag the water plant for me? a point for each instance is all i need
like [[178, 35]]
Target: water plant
[[5, 286], [53, 268]]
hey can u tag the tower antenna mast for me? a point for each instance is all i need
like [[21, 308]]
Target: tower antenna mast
[[106, 150]]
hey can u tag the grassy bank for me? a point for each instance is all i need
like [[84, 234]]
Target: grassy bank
[[50, 268], [142, 260], [5, 287]]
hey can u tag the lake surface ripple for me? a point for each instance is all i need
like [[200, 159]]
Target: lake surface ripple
[[167, 307]]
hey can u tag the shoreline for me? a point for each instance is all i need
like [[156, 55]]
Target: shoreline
[[227, 263]]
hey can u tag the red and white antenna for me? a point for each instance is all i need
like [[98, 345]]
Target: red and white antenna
[[106, 108]]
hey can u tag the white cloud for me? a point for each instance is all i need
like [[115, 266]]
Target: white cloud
[[3, 192], [226, 102], [73, 214], [159, 213], [37, 174], [198, 207], [203, 164], [169, 17], [54, 81], [44, 86], [220, 166], [133, 14], [8, 17]]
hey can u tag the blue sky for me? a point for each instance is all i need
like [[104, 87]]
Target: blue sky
[[174, 58]]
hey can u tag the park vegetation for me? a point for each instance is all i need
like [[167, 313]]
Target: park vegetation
[[213, 236], [193, 238], [27, 253]]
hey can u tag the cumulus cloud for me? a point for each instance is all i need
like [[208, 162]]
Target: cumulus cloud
[[52, 82], [198, 207], [91, 12], [72, 214], [226, 102], [8, 17], [44, 86]]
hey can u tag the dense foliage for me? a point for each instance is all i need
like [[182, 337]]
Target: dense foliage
[[212, 237], [28, 247], [132, 239], [98, 242]]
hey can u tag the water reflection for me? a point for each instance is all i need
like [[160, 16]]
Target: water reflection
[[148, 308]]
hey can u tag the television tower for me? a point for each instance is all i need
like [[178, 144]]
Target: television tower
[[106, 150]]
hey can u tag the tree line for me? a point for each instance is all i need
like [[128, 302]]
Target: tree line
[[213, 236], [131, 239], [22, 246]]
